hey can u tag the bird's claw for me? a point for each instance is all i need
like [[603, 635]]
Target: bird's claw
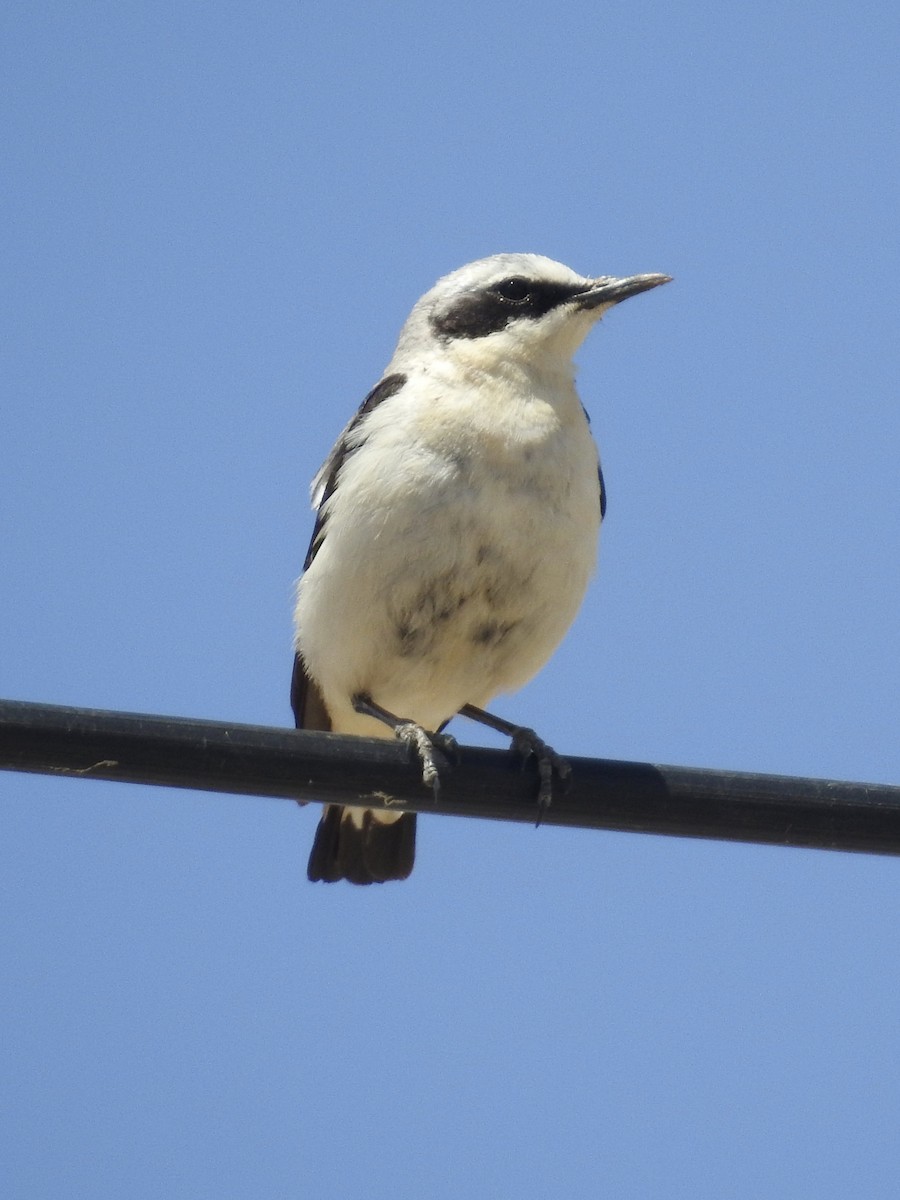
[[527, 744], [433, 751]]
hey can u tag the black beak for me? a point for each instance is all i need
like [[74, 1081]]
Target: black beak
[[608, 290]]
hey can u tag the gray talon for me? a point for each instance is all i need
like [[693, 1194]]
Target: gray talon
[[527, 743], [429, 750]]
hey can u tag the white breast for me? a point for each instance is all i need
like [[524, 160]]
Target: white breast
[[458, 546]]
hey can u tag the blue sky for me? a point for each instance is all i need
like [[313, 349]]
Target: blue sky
[[215, 219]]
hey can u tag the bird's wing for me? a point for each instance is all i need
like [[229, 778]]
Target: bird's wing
[[326, 479], [309, 707], [306, 700], [587, 417]]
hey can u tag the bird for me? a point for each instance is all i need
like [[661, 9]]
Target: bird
[[456, 529]]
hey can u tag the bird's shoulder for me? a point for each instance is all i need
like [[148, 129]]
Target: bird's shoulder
[[326, 478], [323, 484]]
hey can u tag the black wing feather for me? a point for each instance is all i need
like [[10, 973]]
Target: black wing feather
[[389, 386], [587, 417]]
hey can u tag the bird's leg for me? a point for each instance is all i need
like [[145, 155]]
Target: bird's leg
[[433, 749], [527, 744]]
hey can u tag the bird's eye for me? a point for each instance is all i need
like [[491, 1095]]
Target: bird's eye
[[516, 289]]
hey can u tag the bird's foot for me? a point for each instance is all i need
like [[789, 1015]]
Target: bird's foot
[[434, 751], [527, 744]]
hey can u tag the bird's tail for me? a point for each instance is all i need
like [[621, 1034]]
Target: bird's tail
[[362, 845]]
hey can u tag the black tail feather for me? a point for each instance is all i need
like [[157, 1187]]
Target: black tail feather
[[372, 853]]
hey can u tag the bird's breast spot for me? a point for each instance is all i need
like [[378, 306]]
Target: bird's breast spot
[[490, 634], [419, 622]]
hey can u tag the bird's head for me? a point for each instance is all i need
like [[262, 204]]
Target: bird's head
[[513, 307]]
